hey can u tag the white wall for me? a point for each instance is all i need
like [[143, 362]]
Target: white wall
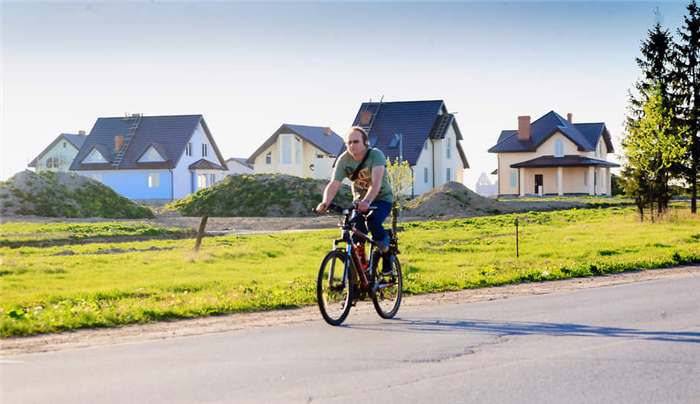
[[182, 176]]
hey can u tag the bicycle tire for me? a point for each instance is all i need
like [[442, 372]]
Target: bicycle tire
[[388, 291], [334, 295]]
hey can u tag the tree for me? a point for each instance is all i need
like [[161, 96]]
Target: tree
[[401, 179], [687, 86], [651, 146]]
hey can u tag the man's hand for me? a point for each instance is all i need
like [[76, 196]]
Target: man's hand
[[322, 207], [363, 206]]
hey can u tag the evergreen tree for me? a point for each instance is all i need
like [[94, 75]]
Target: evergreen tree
[[657, 65], [687, 85]]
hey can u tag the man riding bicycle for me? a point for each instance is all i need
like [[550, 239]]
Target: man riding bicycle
[[366, 168]]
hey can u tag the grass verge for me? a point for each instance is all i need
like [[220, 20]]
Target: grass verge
[[43, 290]]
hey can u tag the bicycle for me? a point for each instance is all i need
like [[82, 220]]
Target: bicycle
[[348, 275]]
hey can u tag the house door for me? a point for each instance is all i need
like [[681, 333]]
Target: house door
[[538, 183]]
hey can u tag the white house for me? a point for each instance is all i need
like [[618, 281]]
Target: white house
[[152, 159], [299, 150], [59, 155], [237, 165], [423, 133], [554, 156]]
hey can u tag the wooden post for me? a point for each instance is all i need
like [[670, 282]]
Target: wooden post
[[517, 246], [200, 233]]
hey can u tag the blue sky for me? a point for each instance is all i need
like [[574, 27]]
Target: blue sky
[[250, 67]]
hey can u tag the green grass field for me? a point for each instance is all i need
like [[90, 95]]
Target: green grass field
[[45, 290]]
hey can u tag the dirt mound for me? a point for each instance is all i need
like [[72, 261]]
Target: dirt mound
[[57, 194], [453, 200], [259, 195]]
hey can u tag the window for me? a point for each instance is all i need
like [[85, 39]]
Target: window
[[448, 174], [154, 180], [201, 181], [205, 150], [94, 157], [64, 145], [448, 148], [268, 158], [52, 162], [585, 179], [212, 179], [297, 151], [151, 155], [425, 146], [188, 149], [425, 175], [558, 148], [286, 149], [513, 179], [96, 177], [600, 150]]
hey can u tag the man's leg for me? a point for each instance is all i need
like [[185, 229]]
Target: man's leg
[[375, 222]]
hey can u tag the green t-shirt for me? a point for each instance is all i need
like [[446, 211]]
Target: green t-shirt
[[346, 165]]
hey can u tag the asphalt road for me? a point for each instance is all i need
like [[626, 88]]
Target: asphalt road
[[634, 343]]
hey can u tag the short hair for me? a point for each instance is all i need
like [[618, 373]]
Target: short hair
[[365, 139]]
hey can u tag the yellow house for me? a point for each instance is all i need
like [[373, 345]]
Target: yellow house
[[299, 150], [59, 155], [554, 156]]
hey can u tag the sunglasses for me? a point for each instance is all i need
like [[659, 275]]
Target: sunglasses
[[349, 142]]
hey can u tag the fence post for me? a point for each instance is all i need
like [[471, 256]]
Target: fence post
[[517, 246], [200, 233]]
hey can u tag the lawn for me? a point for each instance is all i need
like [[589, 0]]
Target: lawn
[[110, 284]]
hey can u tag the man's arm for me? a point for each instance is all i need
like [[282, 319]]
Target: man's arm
[[328, 195]]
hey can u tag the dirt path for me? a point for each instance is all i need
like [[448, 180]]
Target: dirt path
[[84, 339]]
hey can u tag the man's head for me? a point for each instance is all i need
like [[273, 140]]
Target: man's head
[[356, 140]]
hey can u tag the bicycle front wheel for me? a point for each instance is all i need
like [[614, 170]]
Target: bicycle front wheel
[[334, 293], [388, 291]]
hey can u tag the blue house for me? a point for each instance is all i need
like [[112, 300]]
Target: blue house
[[423, 133], [151, 159]]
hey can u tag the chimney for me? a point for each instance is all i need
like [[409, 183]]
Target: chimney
[[118, 142], [81, 133], [327, 131], [523, 128], [365, 117], [569, 117], [135, 115]]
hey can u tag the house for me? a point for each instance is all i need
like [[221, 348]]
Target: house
[[302, 151], [423, 133], [554, 156], [237, 165], [59, 155], [484, 187], [151, 159]]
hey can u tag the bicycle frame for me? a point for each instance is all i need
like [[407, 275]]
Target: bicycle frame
[[353, 257]]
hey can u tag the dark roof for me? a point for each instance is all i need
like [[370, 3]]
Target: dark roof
[[584, 135], [204, 165], [169, 135], [312, 134], [416, 121], [75, 140], [566, 161]]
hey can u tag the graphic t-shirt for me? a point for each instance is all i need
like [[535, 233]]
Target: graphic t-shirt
[[346, 165]]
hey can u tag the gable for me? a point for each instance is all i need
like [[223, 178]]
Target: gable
[[151, 155], [314, 135], [95, 156]]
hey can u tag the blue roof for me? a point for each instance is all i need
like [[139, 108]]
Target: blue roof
[[584, 136], [316, 135], [416, 121], [169, 135]]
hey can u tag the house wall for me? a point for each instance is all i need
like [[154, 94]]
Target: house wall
[[65, 156], [184, 182], [309, 152], [133, 184], [437, 172], [424, 162]]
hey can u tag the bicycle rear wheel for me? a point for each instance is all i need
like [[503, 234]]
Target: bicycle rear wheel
[[388, 291], [333, 291]]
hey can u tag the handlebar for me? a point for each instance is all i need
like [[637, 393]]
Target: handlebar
[[339, 209]]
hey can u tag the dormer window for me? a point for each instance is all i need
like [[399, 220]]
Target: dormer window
[[95, 157], [151, 155], [558, 148]]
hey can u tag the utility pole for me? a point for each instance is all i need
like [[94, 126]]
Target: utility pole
[[399, 137]]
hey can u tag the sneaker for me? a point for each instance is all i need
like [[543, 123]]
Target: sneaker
[[387, 264]]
